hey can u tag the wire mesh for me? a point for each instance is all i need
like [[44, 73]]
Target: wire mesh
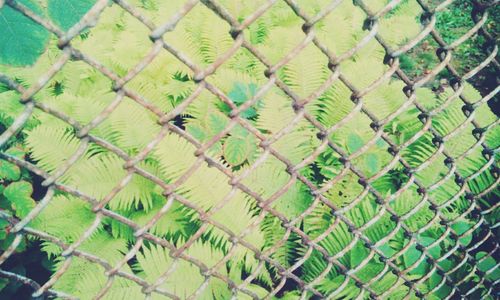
[[484, 232]]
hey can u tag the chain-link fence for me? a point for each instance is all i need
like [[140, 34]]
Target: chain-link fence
[[463, 245]]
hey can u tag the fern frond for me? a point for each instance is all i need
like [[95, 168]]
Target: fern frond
[[186, 279], [206, 187], [99, 174], [52, 146], [306, 72], [402, 25], [82, 280], [66, 218]]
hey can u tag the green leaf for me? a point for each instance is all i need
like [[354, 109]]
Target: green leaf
[[3, 283], [3, 226], [442, 292], [411, 256], [372, 162], [237, 150], [9, 102], [197, 132], [488, 264], [216, 123], [66, 13], [239, 131], [19, 195], [202, 135], [357, 254], [381, 143], [294, 202], [435, 251], [16, 152], [293, 295], [9, 171], [4, 244], [248, 113], [22, 40], [386, 249], [354, 142], [242, 93], [460, 227]]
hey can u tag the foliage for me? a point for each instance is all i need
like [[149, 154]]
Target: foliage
[[451, 24], [120, 42], [16, 200], [23, 40], [65, 13]]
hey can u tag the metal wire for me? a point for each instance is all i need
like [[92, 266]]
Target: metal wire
[[291, 226]]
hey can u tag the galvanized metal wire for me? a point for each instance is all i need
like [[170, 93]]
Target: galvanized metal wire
[[292, 226]]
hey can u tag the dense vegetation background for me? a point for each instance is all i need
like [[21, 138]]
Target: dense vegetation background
[[119, 41]]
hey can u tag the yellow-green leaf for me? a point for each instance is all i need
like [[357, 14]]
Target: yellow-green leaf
[[237, 149]]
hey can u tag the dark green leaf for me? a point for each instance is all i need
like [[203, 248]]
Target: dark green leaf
[[22, 40], [66, 13]]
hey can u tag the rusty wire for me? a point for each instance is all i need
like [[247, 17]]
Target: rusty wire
[[444, 54]]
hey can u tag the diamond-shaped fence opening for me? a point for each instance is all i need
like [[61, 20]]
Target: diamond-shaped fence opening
[[238, 149]]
